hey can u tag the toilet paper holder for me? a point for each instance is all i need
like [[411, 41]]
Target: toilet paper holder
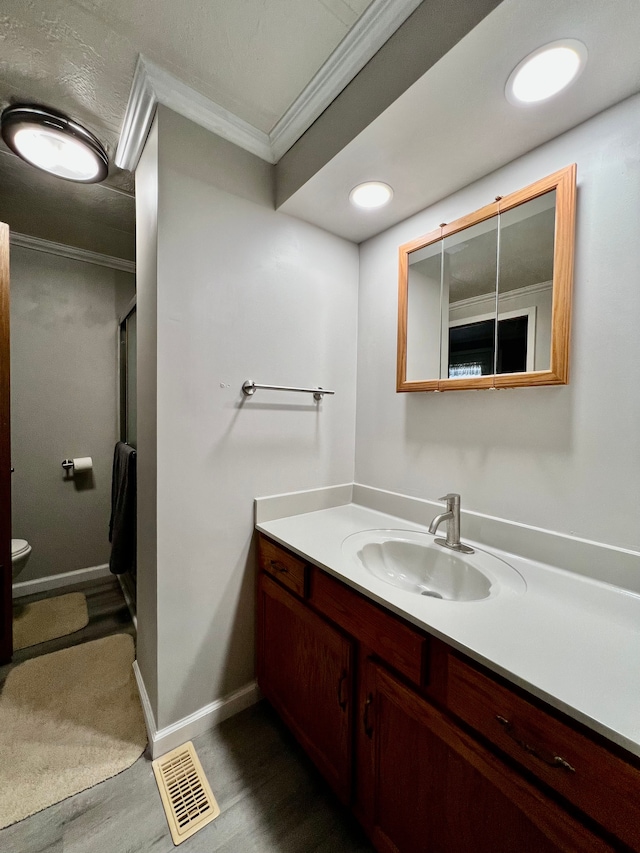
[[79, 465]]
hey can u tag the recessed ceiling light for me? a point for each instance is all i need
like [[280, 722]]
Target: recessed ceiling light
[[370, 195], [546, 71], [54, 143]]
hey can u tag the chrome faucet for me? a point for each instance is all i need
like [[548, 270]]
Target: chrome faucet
[[452, 517]]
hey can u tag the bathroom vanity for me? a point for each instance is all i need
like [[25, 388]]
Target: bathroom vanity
[[435, 741]]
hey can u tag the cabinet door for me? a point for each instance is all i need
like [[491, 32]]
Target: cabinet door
[[433, 789], [305, 671]]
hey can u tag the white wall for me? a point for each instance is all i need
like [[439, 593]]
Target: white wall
[[64, 402], [242, 292], [564, 458], [423, 326], [146, 412]]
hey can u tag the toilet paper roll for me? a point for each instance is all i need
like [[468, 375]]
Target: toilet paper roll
[[81, 464]]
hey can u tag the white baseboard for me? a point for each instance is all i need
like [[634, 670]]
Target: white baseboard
[[92, 573], [163, 740], [147, 710]]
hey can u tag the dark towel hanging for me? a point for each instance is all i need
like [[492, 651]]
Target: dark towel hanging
[[122, 526]]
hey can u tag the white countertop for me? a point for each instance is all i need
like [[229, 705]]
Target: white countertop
[[569, 640]]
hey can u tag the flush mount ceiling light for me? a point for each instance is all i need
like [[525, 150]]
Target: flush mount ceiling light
[[370, 195], [546, 71], [54, 143]]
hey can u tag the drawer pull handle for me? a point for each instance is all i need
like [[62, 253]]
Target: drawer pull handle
[[278, 566], [548, 757], [341, 700], [368, 729]]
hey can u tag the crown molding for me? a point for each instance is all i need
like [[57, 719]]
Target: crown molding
[[527, 290], [182, 99], [153, 85], [141, 109], [373, 28], [25, 241]]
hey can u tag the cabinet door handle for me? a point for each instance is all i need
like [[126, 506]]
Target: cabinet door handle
[[275, 564], [341, 700], [368, 729], [544, 755]]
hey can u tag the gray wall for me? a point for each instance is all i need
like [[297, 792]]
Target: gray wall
[[64, 317], [242, 292], [565, 458]]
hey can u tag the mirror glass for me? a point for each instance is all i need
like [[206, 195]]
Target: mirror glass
[[485, 301], [470, 265], [525, 286], [424, 311]]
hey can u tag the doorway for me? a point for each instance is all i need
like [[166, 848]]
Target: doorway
[[6, 604], [128, 373], [128, 420]]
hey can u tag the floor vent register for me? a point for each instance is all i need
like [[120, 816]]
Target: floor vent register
[[186, 796]]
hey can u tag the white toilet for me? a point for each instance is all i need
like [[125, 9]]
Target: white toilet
[[20, 552]]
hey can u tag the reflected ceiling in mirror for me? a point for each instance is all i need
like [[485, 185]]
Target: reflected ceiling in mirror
[[485, 301]]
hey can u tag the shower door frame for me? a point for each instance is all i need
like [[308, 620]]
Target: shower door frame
[[6, 578], [128, 580], [123, 369]]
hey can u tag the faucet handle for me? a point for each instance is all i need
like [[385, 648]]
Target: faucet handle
[[451, 498]]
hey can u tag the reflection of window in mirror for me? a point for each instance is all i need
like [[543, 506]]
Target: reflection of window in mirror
[[472, 344]]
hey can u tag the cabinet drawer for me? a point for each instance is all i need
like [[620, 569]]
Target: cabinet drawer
[[280, 564], [597, 781], [397, 644]]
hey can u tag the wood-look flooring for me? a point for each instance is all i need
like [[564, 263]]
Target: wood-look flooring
[[272, 798], [272, 801]]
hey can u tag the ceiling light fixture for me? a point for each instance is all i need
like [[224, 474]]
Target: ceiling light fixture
[[54, 143], [370, 195], [546, 71]]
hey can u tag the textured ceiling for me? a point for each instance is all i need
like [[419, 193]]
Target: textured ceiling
[[89, 217], [252, 57]]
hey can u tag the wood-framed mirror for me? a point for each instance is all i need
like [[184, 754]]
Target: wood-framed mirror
[[485, 301]]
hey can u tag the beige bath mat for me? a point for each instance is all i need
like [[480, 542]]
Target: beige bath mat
[[49, 618], [68, 720]]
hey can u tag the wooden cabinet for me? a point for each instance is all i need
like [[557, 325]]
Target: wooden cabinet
[[583, 771], [401, 646], [434, 789], [290, 570], [434, 754], [305, 670]]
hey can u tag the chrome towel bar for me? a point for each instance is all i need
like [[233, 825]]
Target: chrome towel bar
[[249, 387]]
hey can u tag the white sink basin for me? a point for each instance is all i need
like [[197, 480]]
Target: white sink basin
[[411, 561]]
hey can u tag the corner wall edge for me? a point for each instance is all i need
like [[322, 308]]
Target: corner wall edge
[[205, 718]]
